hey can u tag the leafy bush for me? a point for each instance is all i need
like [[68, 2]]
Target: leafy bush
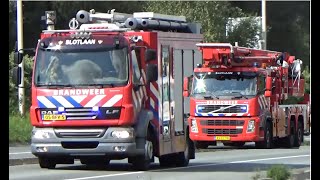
[[278, 172]]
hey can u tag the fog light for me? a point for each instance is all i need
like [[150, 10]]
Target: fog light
[[194, 126], [42, 149], [119, 148], [251, 126]]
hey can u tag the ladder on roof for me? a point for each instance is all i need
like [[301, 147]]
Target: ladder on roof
[[227, 54], [137, 21]]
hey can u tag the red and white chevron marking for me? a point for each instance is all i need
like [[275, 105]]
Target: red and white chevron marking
[[263, 102]]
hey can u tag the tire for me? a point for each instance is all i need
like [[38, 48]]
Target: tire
[[142, 163], [182, 158], [298, 135], [289, 141], [47, 163], [167, 161], [267, 142]]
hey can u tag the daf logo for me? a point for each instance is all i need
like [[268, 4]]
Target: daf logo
[[49, 112], [114, 111]]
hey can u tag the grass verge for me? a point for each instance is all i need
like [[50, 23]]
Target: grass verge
[[19, 128]]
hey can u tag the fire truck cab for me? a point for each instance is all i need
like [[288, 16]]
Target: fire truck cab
[[240, 95], [110, 87]]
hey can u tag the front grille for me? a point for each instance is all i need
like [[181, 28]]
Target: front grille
[[221, 131], [79, 133], [80, 113], [222, 108], [79, 145], [222, 122]]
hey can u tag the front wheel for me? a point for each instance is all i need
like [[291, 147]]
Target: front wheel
[[267, 142], [142, 163], [47, 163]]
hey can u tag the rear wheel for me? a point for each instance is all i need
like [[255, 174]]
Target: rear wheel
[[167, 160], [47, 162], [299, 135], [289, 140], [182, 158]]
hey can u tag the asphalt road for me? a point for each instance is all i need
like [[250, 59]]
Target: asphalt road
[[218, 163]]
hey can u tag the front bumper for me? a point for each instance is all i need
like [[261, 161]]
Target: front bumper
[[224, 129], [240, 137], [77, 145]]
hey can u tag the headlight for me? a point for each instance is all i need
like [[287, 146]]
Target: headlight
[[251, 126], [194, 126], [121, 134], [40, 134]]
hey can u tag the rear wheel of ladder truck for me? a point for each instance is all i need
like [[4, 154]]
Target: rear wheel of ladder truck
[[142, 162], [299, 135], [289, 141], [267, 142]]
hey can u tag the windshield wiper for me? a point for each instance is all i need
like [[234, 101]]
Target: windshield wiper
[[239, 96], [208, 96], [54, 85], [101, 85]]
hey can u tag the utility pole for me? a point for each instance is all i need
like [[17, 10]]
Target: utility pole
[[264, 24], [21, 98]]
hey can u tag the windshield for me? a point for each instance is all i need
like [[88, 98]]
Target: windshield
[[226, 84], [81, 68]]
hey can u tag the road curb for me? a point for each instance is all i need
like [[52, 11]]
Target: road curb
[[301, 174], [15, 162]]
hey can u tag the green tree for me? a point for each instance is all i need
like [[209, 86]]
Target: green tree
[[213, 16]]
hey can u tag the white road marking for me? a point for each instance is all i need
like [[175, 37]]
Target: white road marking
[[103, 176], [20, 153], [232, 162]]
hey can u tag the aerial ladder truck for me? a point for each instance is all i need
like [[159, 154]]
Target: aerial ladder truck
[[240, 95]]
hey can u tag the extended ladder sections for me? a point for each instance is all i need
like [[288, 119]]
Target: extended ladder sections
[[217, 54], [113, 21], [224, 54]]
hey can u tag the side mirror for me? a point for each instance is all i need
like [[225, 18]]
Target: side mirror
[[186, 86], [267, 93], [17, 57], [152, 72], [16, 76], [268, 83], [150, 54]]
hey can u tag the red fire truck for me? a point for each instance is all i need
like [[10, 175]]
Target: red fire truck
[[110, 87], [240, 95]]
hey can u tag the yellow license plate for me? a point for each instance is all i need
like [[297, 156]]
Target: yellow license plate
[[222, 138], [54, 117]]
